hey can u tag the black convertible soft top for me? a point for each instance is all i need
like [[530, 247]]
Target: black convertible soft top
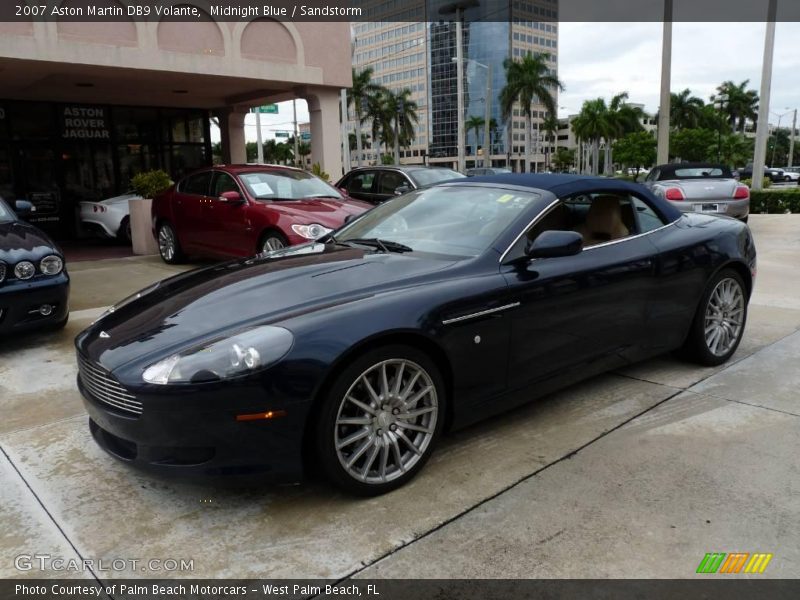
[[670, 171]]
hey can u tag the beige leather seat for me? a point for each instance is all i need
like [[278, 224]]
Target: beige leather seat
[[603, 221]]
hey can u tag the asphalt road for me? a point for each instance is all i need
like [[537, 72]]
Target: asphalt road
[[637, 473]]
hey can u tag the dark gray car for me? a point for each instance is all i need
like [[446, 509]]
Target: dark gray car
[[378, 184]]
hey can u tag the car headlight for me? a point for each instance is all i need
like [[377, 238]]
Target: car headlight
[[3, 270], [221, 359], [24, 270], [311, 232], [51, 265]]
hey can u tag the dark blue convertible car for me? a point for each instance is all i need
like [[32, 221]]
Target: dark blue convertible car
[[431, 311]]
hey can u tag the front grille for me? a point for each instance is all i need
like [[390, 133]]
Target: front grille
[[102, 386]]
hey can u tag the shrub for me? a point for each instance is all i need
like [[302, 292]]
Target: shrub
[[767, 182], [316, 169], [150, 183], [778, 201]]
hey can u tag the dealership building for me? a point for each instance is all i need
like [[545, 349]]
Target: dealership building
[[84, 106]]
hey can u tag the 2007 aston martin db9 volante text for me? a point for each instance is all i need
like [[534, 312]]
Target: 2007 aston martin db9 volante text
[[354, 352]]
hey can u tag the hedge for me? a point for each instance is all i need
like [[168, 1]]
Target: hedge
[[776, 201]]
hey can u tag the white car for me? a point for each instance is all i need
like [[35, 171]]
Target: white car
[[109, 216], [792, 174]]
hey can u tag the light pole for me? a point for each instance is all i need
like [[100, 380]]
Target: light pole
[[666, 70], [777, 131], [762, 127], [458, 8], [791, 140], [719, 104], [487, 112]]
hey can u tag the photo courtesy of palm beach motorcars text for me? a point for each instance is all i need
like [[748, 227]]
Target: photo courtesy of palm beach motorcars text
[[133, 590]]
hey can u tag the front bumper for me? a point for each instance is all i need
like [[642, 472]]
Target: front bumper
[[20, 300], [183, 436], [730, 208]]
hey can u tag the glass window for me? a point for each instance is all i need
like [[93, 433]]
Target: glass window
[[196, 184], [5, 212], [431, 176], [135, 124], [646, 216], [32, 120], [459, 221], [700, 172], [278, 184], [223, 182], [390, 181]]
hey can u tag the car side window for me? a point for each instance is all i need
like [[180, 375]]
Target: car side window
[[223, 182], [361, 182], [390, 181], [653, 175], [646, 217], [197, 184]]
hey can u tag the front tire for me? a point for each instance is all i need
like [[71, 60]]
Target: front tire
[[719, 323], [380, 421], [271, 241], [168, 246]]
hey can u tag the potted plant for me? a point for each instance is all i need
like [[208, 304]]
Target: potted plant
[[148, 185]]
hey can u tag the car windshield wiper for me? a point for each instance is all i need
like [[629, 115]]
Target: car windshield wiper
[[324, 196], [382, 245]]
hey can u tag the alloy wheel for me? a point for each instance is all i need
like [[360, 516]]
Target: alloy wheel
[[386, 421], [166, 242], [724, 316], [273, 243]]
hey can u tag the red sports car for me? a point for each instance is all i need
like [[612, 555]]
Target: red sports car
[[240, 210]]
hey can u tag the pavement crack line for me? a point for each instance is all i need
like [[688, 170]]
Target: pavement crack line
[[50, 515]]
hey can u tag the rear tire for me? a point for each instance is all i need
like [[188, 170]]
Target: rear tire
[[168, 245], [720, 320], [390, 405], [124, 231]]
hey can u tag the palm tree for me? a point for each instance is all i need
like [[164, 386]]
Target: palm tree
[[741, 104], [685, 110], [591, 125], [475, 124], [353, 143], [623, 119], [527, 80], [376, 113], [550, 126], [401, 114], [362, 89]]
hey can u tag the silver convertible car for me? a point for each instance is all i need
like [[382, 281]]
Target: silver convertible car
[[700, 187]]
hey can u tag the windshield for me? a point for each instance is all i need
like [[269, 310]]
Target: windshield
[[286, 185], [5, 212], [425, 177], [702, 172], [462, 221]]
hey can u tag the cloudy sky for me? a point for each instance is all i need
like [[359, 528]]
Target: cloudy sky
[[602, 59]]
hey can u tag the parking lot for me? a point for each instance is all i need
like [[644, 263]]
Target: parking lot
[[636, 473]]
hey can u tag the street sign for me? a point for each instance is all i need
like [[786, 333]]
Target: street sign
[[305, 135], [281, 134], [271, 109]]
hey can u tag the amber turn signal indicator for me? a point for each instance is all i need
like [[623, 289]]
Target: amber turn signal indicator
[[272, 414]]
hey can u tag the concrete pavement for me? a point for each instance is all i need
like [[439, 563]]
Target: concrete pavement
[[635, 473]]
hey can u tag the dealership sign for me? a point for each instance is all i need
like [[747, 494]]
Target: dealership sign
[[84, 123]]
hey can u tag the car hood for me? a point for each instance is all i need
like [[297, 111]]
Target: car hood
[[704, 189], [208, 303], [22, 241], [325, 211]]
